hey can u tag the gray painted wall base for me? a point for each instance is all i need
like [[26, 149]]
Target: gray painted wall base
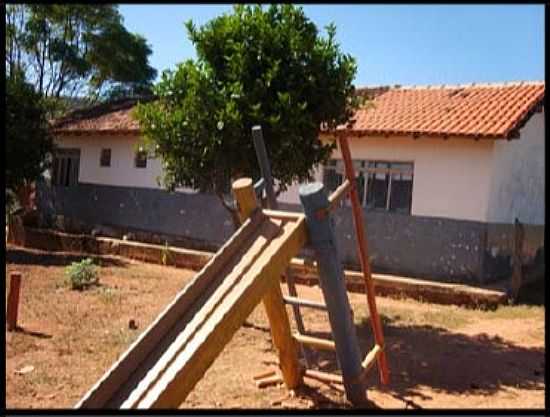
[[431, 248]]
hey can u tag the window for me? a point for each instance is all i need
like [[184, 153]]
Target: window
[[65, 167], [381, 185], [105, 159], [140, 160]]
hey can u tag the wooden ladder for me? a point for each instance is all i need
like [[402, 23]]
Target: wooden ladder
[[347, 188]]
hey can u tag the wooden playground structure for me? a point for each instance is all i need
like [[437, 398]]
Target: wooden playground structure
[[163, 365]]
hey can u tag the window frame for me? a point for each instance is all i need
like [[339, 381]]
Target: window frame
[[137, 158], [369, 168], [102, 155], [65, 169]]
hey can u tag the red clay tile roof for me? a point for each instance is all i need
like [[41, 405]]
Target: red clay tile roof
[[482, 111], [478, 111], [114, 118]]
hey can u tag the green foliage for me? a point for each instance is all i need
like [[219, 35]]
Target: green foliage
[[27, 140], [266, 66], [71, 49], [82, 275]]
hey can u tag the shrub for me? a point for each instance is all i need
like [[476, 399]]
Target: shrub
[[82, 275]]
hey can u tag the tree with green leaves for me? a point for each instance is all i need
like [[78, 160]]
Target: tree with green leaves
[[255, 66], [28, 141], [69, 50]]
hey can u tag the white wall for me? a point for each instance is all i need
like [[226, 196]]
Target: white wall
[[451, 177], [517, 188], [122, 170]]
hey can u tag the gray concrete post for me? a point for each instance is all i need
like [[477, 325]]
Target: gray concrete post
[[331, 277], [265, 168]]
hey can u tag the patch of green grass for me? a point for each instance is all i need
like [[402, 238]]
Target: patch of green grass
[[108, 295], [446, 318]]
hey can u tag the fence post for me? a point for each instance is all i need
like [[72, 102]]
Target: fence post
[[13, 300], [331, 278]]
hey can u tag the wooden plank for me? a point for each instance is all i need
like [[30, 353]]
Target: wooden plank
[[315, 342], [189, 366], [271, 380], [114, 379], [268, 230], [304, 303], [264, 374]]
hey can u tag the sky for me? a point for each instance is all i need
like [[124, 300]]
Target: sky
[[393, 44]]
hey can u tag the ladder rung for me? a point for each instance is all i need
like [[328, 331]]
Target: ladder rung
[[340, 192], [368, 362], [315, 342], [323, 376], [371, 357], [304, 303]]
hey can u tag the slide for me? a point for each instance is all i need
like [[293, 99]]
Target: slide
[[163, 365]]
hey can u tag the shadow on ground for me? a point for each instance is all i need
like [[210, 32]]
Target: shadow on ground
[[533, 293], [447, 362], [17, 256]]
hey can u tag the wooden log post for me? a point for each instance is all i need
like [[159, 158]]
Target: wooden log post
[[273, 300], [517, 277], [331, 277], [13, 301]]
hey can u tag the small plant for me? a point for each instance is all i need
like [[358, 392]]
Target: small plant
[[165, 254], [82, 275]]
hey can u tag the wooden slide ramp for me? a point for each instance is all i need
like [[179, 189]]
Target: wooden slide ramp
[[163, 365]]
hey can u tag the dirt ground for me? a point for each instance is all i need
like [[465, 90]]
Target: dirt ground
[[439, 356]]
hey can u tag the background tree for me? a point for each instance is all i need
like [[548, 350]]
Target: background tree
[[28, 141], [69, 50], [267, 66]]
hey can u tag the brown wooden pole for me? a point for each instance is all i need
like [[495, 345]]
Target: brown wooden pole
[[517, 278], [364, 259], [13, 301], [243, 190]]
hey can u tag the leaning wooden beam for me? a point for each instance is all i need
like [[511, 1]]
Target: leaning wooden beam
[[199, 320], [133, 362], [321, 235], [184, 372], [273, 299]]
